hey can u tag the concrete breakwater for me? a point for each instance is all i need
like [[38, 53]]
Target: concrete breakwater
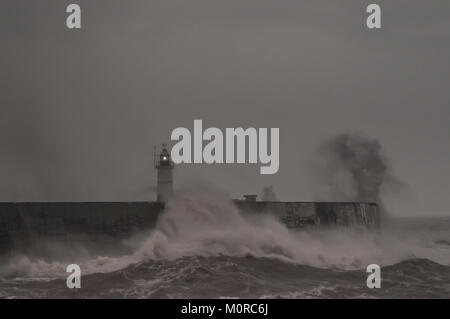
[[22, 225], [302, 215]]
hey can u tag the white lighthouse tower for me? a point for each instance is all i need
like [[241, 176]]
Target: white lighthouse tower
[[164, 166]]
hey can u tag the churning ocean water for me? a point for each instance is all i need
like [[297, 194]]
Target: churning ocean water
[[204, 249]]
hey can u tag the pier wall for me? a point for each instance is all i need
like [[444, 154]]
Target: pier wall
[[314, 214], [24, 224]]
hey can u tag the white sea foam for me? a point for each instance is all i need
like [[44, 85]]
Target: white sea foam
[[208, 224]]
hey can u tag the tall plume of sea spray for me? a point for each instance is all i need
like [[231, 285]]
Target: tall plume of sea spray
[[351, 167]]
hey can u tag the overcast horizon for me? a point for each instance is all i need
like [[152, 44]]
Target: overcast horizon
[[82, 110]]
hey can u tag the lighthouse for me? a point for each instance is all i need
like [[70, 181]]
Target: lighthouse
[[164, 167]]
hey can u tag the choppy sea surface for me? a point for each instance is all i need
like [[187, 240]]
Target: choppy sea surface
[[199, 250]]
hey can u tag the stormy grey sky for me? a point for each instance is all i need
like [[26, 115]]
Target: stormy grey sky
[[81, 110]]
